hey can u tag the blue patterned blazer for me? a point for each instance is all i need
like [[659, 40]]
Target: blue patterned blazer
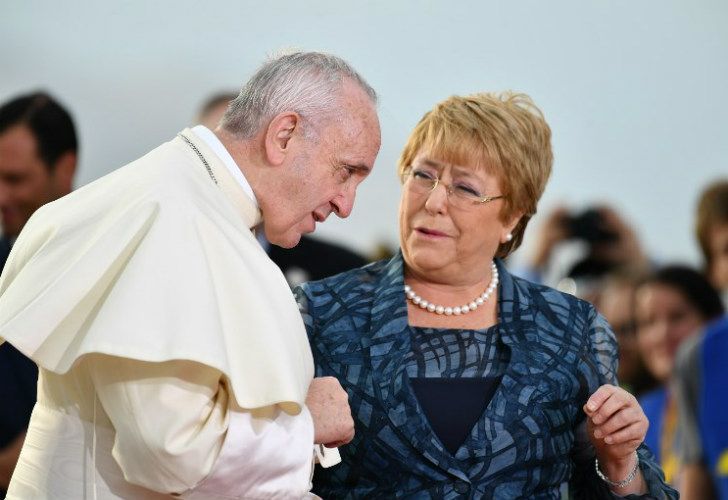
[[530, 442]]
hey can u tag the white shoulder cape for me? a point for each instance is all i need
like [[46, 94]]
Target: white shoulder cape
[[157, 262]]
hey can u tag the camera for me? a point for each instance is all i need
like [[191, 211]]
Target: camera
[[589, 226]]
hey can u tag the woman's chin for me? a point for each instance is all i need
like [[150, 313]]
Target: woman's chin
[[426, 259]]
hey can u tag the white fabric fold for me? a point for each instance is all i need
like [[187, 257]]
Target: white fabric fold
[[156, 262]]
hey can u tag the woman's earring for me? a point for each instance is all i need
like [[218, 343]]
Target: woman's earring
[[509, 237]]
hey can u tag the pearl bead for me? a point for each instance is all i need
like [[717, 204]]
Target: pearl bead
[[457, 310]]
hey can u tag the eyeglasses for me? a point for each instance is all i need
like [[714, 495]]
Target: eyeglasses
[[459, 194]]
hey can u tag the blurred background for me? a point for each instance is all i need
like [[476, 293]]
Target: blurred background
[[633, 91]]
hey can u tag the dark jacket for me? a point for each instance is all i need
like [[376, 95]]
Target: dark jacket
[[530, 441]]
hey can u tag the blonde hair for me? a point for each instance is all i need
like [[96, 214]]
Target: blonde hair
[[504, 133], [712, 211]]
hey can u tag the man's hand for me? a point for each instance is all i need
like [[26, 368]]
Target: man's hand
[[329, 406]]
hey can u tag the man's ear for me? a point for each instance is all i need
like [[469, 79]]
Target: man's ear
[[63, 172], [278, 135]]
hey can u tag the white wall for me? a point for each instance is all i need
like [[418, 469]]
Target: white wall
[[634, 91]]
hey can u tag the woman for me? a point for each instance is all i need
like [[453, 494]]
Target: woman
[[465, 381], [617, 305], [672, 305]]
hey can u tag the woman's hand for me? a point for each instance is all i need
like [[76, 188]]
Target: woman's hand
[[617, 426]]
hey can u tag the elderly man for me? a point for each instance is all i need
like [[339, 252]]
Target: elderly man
[[312, 259], [38, 148], [172, 356]]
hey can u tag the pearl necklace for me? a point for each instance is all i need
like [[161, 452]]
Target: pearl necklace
[[457, 310]]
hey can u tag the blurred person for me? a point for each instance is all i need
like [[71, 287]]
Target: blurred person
[[610, 243], [711, 229], [311, 259], [173, 359], [617, 305], [38, 156], [701, 391], [700, 373], [213, 109], [673, 304], [464, 380]]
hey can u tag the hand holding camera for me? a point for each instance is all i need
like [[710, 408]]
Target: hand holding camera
[[608, 237]]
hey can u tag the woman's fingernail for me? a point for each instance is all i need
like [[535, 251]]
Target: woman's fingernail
[[597, 434]]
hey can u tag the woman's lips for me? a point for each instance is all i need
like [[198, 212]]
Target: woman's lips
[[431, 232]]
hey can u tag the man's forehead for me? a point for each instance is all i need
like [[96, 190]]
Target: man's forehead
[[18, 139]]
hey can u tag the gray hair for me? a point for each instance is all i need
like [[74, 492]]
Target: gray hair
[[308, 83]]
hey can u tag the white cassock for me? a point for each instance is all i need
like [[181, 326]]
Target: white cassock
[[172, 356]]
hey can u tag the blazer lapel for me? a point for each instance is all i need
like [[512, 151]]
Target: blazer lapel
[[387, 346], [518, 333]]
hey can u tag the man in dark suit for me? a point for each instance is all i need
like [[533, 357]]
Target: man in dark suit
[[38, 151], [312, 259]]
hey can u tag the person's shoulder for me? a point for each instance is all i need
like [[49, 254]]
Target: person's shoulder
[[364, 277], [653, 400], [717, 327], [327, 249], [317, 258], [545, 297]]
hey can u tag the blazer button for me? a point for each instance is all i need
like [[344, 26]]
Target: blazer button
[[462, 487]]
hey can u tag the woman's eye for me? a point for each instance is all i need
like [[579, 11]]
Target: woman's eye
[[467, 190], [422, 174]]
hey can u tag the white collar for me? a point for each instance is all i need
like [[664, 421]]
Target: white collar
[[214, 143]]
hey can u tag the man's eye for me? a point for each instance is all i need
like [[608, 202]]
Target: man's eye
[[13, 179], [344, 172]]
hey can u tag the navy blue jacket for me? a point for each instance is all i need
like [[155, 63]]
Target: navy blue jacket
[[529, 443]]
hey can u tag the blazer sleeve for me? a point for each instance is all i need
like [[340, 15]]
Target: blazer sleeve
[[177, 431], [597, 367], [302, 293]]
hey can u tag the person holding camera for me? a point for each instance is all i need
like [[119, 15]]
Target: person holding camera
[[610, 242]]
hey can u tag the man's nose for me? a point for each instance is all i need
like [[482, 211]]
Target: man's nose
[[344, 203]]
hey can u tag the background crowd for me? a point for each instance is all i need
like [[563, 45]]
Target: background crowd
[[661, 312]]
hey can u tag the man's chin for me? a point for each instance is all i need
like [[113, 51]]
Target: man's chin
[[288, 240]]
